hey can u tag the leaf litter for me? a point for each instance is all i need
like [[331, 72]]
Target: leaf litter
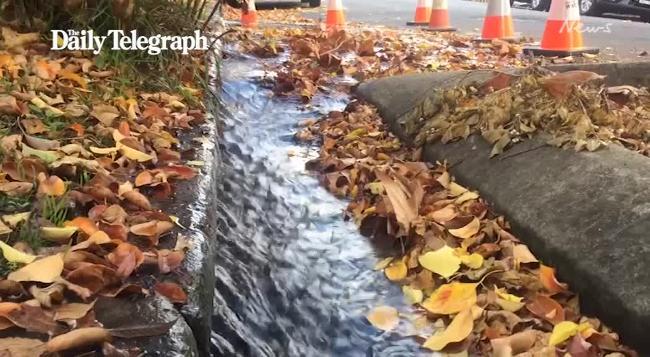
[[77, 219]]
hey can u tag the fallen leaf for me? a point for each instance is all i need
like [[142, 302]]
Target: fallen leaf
[[13, 220], [84, 224], [44, 270], [443, 261], [470, 226], [565, 330], [396, 271], [72, 311], [515, 344], [413, 296], [35, 319], [105, 114], [21, 347], [50, 186], [547, 277], [560, 84], [451, 298], [82, 337], [171, 291], [385, 318], [546, 308], [459, 328], [126, 257], [405, 208], [14, 255], [59, 235]]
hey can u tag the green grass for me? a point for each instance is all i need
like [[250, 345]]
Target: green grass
[[55, 209], [15, 204], [6, 266]]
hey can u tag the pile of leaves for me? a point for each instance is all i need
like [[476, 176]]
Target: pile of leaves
[[293, 16], [475, 288], [309, 60], [84, 163], [571, 109]]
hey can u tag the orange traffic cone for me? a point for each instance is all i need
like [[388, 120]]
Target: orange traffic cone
[[439, 20], [562, 35], [498, 21], [248, 14], [422, 13], [335, 18]]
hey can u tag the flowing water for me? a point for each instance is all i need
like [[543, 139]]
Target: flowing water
[[293, 277]]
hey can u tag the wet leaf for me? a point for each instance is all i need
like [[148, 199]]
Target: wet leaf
[[443, 261], [126, 257], [72, 311], [172, 291], [78, 338], [385, 318], [413, 296], [396, 271], [459, 328]]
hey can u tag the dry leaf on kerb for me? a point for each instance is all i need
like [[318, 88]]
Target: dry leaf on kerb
[[459, 328], [82, 337], [451, 298], [546, 308], [464, 227], [384, 317], [515, 344], [45, 270], [523, 255], [565, 330], [443, 261], [551, 284]]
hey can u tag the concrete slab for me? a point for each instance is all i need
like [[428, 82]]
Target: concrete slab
[[588, 214]]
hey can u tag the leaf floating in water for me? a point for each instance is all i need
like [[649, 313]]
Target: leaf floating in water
[[384, 317]]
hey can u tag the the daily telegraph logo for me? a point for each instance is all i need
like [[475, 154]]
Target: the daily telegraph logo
[[126, 41]]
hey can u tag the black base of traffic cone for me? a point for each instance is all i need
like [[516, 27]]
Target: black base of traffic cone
[[411, 23], [538, 51], [444, 29]]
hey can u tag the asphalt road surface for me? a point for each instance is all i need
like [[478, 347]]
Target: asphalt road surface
[[626, 37]]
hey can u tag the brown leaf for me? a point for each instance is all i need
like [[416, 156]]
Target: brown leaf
[[35, 319], [515, 344], [137, 199], [546, 308], [13, 189], [82, 337], [21, 347], [169, 260], [171, 291], [405, 208], [9, 105], [126, 257], [72, 311], [560, 84]]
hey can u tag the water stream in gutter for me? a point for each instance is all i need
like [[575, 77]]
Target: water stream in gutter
[[293, 278]]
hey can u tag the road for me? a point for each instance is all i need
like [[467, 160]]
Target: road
[[620, 36]]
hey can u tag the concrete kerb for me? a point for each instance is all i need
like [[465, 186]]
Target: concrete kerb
[[588, 214]]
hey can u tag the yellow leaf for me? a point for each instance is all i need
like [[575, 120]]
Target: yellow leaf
[[459, 328], [45, 270], [384, 317], [58, 234], [474, 260], [396, 271], [4, 229], [451, 298], [65, 74], [506, 296], [14, 255], [413, 296], [383, 263], [103, 151], [467, 196], [468, 230], [134, 154], [39, 103], [14, 220], [565, 330], [456, 189], [176, 221], [443, 261]]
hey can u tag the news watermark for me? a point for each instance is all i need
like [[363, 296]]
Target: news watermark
[[127, 41], [577, 26]]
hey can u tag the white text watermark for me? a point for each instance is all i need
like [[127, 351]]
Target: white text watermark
[[127, 41]]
